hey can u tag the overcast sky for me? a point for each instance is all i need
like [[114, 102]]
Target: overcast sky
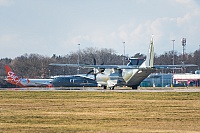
[[50, 27]]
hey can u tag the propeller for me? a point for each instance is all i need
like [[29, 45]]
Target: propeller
[[96, 71], [95, 74]]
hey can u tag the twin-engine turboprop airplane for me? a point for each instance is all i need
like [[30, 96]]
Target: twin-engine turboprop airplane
[[24, 82], [130, 75]]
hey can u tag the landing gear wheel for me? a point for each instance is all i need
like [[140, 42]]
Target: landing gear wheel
[[112, 88], [135, 87], [104, 87]]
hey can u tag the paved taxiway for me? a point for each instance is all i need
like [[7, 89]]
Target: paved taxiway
[[97, 89]]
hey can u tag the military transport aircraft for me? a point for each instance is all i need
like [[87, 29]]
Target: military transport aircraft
[[74, 81], [25, 82], [130, 75]]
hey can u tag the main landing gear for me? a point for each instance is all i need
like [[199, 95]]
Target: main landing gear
[[111, 88], [135, 87]]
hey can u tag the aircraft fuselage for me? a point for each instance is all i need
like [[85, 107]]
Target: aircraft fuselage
[[124, 77], [73, 81]]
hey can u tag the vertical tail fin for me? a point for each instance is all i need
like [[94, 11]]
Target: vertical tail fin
[[12, 77], [149, 62], [150, 57]]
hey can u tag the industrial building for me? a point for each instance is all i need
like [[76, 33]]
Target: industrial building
[[187, 79], [172, 80], [157, 80]]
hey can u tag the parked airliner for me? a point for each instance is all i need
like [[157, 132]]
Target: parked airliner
[[24, 82]]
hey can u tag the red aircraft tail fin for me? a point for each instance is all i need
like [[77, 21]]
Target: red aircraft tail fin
[[12, 77]]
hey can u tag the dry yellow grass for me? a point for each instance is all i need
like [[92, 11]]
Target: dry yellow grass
[[68, 111]]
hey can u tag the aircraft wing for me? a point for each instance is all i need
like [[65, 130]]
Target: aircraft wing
[[174, 66], [42, 84], [70, 65], [97, 66], [124, 66]]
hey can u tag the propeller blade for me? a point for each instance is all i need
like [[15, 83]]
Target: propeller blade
[[90, 72]]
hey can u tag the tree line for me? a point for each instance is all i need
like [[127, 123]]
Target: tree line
[[37, 66]]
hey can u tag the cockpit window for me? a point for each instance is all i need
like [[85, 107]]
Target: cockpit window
[[136, 61]]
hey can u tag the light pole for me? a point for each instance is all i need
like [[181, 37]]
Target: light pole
[[49, 73], [78, 58], [173, 53], [183, 40], [124, 52]]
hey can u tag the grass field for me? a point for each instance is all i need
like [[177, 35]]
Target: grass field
[[70, 111]]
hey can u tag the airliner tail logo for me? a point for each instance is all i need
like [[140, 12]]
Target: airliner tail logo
[[12, 77]]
